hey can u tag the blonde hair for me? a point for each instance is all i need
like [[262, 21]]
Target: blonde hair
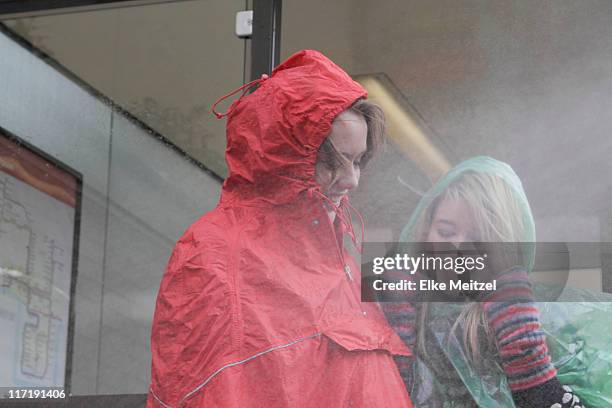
[[496, 211]]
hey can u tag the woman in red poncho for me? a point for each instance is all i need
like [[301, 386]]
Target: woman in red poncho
[[260, 303]]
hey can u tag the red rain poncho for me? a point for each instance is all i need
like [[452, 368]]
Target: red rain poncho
[[260, 303]]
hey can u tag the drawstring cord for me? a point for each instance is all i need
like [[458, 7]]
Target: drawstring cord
[[244, 88], [343, 213], [348, 208]]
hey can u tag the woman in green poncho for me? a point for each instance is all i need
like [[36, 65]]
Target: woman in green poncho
[[480, 200]]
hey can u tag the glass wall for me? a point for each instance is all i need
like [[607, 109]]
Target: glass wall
[[527, 85], [123, 100], [164, 63]]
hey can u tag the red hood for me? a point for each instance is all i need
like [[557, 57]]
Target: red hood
[[274, 133]]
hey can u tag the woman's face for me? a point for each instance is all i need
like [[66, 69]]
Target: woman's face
[[349, 136], [452, 222]]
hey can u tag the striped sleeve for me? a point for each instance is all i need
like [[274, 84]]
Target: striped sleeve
[[514, 318]]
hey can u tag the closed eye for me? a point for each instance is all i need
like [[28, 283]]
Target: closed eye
[[445, 233], [359, 160]]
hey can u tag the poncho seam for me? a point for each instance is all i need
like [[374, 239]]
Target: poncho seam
[[158, 399], [243, 361]]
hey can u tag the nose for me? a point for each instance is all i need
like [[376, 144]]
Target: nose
[[348, 177]]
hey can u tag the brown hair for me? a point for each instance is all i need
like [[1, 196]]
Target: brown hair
[[375, 121]]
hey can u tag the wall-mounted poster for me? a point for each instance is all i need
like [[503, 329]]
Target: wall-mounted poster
[[39, 217]]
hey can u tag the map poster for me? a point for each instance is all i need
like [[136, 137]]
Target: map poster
[[39, 213]]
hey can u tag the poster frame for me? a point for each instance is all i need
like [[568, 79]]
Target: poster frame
[[75, 241]]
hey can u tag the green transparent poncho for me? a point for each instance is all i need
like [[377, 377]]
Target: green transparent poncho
[[578, 334]]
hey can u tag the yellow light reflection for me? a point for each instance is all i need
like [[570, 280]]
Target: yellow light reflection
[[404, 131]]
